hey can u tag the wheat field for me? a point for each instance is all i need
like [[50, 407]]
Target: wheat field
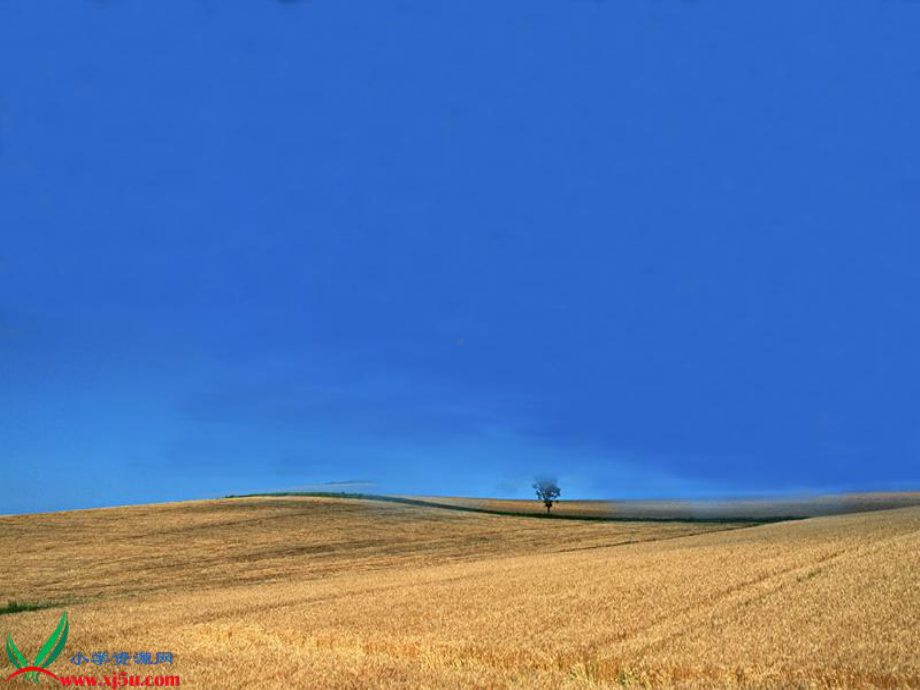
[[333, 592]]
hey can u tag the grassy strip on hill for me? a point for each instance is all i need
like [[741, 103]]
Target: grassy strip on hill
[[21, 606]]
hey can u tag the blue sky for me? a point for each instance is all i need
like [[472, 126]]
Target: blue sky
[[656, 248]]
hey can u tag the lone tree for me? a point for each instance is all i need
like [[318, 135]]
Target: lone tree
[[547, 491]]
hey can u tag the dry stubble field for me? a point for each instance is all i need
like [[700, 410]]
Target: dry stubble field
[[324, 592]]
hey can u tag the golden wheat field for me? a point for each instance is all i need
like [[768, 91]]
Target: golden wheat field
[[329, 592]]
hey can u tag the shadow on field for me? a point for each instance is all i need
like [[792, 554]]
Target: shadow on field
[[427, 503]]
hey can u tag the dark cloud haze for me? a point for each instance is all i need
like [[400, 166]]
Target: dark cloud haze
[[651, 248]]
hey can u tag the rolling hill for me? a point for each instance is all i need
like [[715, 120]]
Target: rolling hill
[[355, 592]]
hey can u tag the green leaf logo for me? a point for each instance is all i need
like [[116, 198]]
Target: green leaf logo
[[50, 651]]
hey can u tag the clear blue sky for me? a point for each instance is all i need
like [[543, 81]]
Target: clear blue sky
[[662, 248]]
